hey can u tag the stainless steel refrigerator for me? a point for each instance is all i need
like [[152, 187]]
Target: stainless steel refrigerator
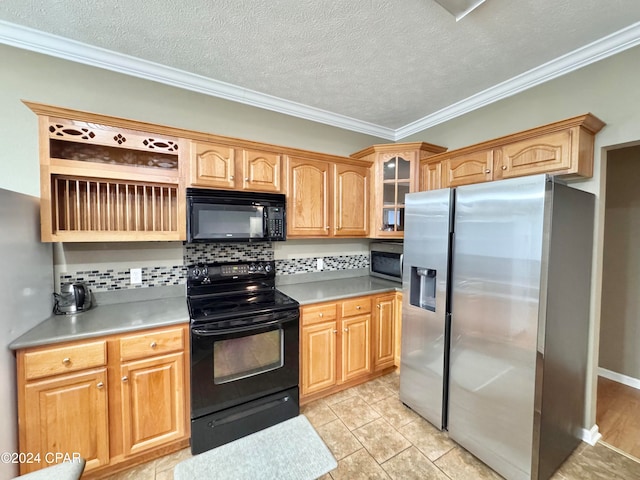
[[495, 319]]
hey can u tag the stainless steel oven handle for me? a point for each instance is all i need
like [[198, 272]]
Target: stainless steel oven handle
[[204, 332]]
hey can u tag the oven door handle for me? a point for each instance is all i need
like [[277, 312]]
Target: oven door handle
[[205, 332]]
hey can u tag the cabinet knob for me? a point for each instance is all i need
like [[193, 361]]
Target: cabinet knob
[[378, 305], [230, 177], [321, 314], [100, 385], [335, 331], [153, 345], [125, 378], [246, 179], [487, 171], [358, 307], [327, 227], [346, 329], [504, 167], [66, 360]]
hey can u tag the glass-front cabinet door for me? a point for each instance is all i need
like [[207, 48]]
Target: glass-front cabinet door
[[395, 174], [396, 183]]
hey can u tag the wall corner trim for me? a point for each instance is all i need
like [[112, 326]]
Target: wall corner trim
[[591, 436]]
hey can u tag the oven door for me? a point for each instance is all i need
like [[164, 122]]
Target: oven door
[[230, 366]]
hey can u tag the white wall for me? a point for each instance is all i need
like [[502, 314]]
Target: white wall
[[26, 288], [620, 313], [609, 89]]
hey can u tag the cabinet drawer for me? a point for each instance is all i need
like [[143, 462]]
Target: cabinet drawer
[[319, 313], [151, 343], [357, 306], [69, 358]]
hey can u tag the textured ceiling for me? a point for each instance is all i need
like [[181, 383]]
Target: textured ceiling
[[385, 62]]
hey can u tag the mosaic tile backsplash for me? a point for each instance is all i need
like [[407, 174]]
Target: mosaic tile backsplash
[[110, 279]]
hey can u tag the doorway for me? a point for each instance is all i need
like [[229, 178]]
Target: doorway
[[618, 394]]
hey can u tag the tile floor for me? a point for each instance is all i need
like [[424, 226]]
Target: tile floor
[[374, 436]]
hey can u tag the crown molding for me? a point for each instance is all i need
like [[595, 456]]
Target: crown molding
[[600, 49], [53, 45], [56, 46]]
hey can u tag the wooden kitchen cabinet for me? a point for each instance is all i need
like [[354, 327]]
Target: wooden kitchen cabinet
[[546, 154], [118, 400], [308, 198], [562, 148], [65, 414], [212, 165], [153, 406], [319, 356], [430, 175], [326, 198], [228, 167], [398, 329], [339, 345], [472, 167], [350, 201], [384, 331], [395, 174], [104, 179], [356, 338]]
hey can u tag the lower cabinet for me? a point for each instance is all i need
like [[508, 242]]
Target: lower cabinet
[[384, 349], [153, 408], [115, 401], [65, 414], [344, 343]]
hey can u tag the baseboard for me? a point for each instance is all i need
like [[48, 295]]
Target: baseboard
[[591, 436], [620, 378]]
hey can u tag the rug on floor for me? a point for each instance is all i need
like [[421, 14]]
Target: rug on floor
[[290, 450]]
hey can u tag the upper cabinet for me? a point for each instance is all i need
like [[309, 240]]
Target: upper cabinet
[[395, 174], [308, 198], [560, 148], [327, 198], [472, 167], [350, 200], [226, 167], [102, 181]]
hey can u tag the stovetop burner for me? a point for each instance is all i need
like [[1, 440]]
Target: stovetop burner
[[219, 291]]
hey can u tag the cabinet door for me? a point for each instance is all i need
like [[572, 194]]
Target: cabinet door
[[67, 414], [261, 171], [395, 178], [475, 167], [213, 166], [318, 357], [398, 329], [153, 402], [549, 153], [307, 198], [356, 347], [351, 201], [430, 176], [383, 332]]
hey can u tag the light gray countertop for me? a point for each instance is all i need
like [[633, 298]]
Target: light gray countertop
[[336, 289], [107, 319], [162, 306]]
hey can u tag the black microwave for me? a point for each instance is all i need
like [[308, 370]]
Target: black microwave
[[231, 216]]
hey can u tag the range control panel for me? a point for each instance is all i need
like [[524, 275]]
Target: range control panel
[[216, 272]]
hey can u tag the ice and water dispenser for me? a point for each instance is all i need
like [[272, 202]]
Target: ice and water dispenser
[[422, 288]]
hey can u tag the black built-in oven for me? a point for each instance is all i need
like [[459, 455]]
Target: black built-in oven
[[244, 352]]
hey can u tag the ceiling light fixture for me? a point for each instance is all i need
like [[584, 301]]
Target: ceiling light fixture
[[459, 8]]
